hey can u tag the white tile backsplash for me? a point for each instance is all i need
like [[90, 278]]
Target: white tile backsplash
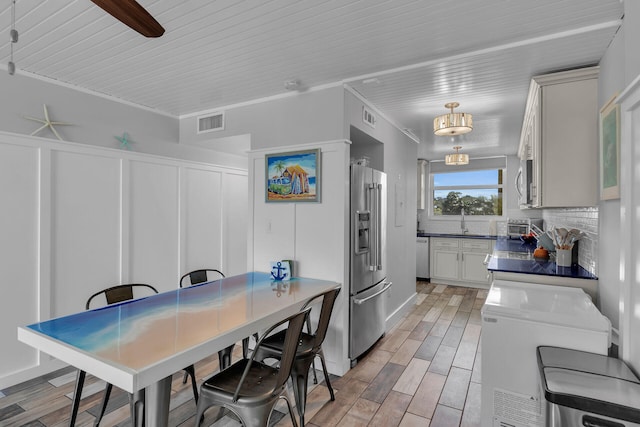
[[585, 220], [453, 226]]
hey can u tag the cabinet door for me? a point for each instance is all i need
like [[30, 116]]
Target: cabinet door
[[445, 264], [569, 174], [473, 268]]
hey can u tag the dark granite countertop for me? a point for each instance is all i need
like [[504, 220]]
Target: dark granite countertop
[[515, 256], [457, 236]]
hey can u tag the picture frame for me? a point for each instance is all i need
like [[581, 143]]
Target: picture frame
[[610, 150], [293, 176]]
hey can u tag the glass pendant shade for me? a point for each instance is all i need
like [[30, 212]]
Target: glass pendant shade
[[452, 124], [456, 159]]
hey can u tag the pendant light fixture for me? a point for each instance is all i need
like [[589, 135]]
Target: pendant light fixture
[[452, 124], [457, 158], [13, 38]]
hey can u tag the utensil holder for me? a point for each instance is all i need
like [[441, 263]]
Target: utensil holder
[[563, 257]]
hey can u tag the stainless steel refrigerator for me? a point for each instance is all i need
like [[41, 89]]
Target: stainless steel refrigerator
[[368, 276]]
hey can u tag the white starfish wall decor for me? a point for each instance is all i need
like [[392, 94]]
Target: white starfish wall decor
[[47, 123]]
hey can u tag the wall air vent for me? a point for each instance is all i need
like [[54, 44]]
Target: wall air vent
[[211, 123], [368, 117]]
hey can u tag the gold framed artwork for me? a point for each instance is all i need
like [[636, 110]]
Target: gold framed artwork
[[610, 150]]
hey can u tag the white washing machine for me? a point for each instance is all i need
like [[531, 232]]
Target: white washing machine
[[516, 319]]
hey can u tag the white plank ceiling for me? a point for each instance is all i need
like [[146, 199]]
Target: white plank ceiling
[[421, 54]]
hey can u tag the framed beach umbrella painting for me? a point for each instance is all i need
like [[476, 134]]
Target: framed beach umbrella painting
[[293, 176]]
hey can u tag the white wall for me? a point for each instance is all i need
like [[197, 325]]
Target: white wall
[[631, 29], [610, 82], [629, 300], [313, 235], [399, 163], [97, 120], [630, 225], [79, 218], [19, 249], [300, 118], [619, 293]]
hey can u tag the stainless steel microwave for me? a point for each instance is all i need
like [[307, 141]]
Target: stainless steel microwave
[[524, 183]]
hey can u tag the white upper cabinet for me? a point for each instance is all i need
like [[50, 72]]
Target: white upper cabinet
[[560, 135]]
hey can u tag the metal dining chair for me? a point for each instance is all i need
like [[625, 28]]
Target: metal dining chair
[[112, 295], [309, 347], [249, 388], [196, 277]]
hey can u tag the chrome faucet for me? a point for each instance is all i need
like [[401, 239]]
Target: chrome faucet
[[463, 227]]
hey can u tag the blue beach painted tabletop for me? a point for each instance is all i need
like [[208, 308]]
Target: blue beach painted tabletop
[[134, 343]]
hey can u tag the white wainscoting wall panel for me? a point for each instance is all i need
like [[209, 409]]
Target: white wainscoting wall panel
[[235, 222], [202, 219], [85, 228], [78, 218], [154, 225], [18, 249]]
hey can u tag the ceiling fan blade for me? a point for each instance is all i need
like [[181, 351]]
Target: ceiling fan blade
[[130, 13]]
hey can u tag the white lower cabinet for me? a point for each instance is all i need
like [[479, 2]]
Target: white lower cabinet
[[460, 260], [445, 259], [472, 268]]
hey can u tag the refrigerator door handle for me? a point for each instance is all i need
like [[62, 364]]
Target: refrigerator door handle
[[379, 227], [381, 291], [373, 255]]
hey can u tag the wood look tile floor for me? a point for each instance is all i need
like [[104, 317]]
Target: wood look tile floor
[[424, 372]]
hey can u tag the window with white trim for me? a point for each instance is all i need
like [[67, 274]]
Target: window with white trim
[[478, 192]]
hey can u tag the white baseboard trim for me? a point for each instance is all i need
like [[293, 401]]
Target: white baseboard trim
[[395, 317], [338, 368], [30, 373], [462, 284]]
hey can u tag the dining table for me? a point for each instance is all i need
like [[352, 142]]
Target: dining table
[[138, 345]]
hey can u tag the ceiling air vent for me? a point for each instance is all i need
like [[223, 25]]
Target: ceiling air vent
[[211, 123], [368, 117]]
